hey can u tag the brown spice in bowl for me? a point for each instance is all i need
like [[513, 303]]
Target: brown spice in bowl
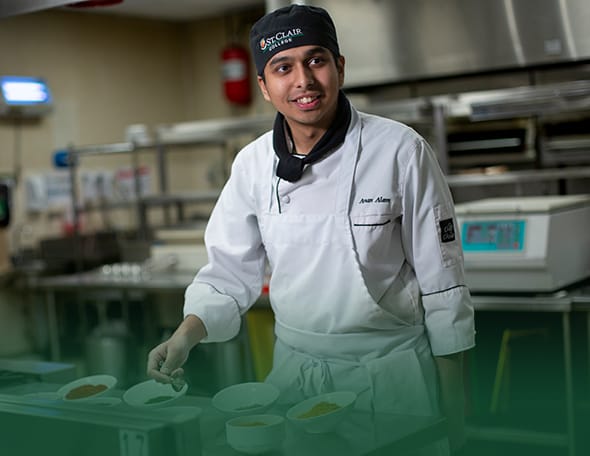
[[85, 391]]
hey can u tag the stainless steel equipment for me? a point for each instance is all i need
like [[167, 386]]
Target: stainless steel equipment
[[33, 426], [490, 143], [565, 139], [13, 371], [527, 244], [396, 40], [109, 350], [503, 127]]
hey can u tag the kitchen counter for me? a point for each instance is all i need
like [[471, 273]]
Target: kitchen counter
[[562, 304], [359, 434], [160, 296], [97, 279]]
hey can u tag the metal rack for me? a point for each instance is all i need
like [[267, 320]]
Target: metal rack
[[435, 112], [211, 132], [518, 178], [529, 105]]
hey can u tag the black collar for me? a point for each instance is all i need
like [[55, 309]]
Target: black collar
[[291, 168]]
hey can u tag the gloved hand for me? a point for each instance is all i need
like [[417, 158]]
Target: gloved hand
[[166, 360]]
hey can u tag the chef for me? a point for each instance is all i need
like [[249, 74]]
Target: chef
[[355, 221]]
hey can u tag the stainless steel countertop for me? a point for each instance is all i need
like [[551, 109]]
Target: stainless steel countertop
[[557, 302], [574, 299], [360, 432], [581, 298], [166, 281]]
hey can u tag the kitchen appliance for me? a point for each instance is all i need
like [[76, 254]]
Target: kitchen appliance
[[525, 244], [489, 143], [565, 139]]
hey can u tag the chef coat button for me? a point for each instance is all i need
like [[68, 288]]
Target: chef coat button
[[285, 199]]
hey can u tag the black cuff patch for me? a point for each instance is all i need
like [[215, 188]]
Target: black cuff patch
[[447, 230]]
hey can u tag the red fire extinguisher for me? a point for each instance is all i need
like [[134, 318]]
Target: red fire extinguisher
[[236, 74]]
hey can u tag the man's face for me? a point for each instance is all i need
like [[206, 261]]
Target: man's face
[[302, 83]]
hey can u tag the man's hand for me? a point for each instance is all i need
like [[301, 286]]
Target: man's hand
[[166, 360]]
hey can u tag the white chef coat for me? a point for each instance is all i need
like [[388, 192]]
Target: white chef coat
[[366, 268], [399, 211]]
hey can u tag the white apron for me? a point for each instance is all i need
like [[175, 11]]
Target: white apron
[[387, 362]]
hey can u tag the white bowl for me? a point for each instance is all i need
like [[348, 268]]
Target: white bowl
[[87, 387], [322, 413], [255, 434], [246, 398], [152, 394], [103, 401], [45, 395]]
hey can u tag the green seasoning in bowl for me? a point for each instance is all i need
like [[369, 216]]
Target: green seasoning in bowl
[[158, 399], [321, 408]]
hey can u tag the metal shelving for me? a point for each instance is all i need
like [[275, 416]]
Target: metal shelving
[[435, 112], [518, 177], [217, 132]]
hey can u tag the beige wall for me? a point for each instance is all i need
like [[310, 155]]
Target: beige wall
[[105, 73]]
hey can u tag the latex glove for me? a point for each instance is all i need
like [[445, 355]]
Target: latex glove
[[166, 360]]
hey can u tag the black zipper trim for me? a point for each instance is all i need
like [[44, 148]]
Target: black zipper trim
[[372, 224], [277, 195], [442, 291]]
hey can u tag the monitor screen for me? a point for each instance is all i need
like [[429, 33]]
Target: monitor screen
[[24, 91], [493, 235]]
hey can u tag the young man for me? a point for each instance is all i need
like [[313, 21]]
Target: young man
[[356, 221]]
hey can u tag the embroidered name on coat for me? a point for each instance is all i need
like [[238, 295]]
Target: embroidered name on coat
[[379, 199]]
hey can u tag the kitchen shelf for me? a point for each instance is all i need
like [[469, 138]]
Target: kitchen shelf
[[106, 206], [518, 102], [216, 132], [517, 177], [204, 196], [413, 111], [435, 112], [109, 149]]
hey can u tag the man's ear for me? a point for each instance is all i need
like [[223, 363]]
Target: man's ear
[[262, 86], [340, 66]]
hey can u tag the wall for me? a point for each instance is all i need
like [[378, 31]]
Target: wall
[[107, 72], [204, 97]]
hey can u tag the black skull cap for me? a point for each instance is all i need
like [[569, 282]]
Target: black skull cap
[[289, 27]]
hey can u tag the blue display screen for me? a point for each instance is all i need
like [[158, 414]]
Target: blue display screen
[[493, 235], [24, 90]]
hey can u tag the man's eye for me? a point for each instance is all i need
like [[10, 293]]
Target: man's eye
[[316, 61], [282, 68]]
